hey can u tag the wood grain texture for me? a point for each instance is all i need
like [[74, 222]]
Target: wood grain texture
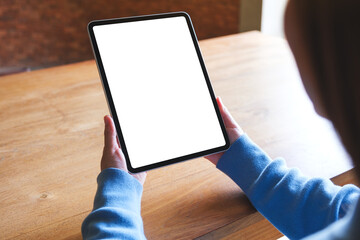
[[51, 139], [253, 226]]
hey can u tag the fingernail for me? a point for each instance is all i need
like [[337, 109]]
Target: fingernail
[[105, 120]]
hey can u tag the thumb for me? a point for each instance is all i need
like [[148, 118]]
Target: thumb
[[226, 116], [109, 133]]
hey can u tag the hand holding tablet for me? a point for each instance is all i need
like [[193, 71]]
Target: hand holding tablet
[[157, 89]]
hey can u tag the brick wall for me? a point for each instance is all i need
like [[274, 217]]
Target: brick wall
[[43, 33]]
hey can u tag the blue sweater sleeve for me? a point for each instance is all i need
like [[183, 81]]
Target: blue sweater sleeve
[[117, 205], [295, 204]]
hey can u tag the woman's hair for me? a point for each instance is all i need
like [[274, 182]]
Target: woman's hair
[[331, 33]]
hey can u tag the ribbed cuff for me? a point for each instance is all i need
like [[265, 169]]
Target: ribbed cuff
[[116, 187], [243, 162]]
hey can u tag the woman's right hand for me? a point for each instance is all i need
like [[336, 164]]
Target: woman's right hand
[[233, 130], [113, 156]]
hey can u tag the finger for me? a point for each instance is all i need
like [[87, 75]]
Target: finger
[[229, 121], [109, 133]]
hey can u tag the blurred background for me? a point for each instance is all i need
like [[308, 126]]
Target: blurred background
[[37, 34]]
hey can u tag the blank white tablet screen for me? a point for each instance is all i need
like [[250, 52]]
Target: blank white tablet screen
[[158, 88]]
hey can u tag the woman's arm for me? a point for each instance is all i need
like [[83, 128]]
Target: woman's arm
[[295, 204], [117, 204], [116, 212]]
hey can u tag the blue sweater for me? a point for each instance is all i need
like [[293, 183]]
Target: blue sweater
[[116, 212], [298, 206]]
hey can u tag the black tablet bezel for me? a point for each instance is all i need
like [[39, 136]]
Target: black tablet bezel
[[110, 99]]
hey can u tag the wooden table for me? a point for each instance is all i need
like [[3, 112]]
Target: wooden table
[[51, 139]]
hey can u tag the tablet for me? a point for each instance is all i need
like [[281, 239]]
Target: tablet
[[157, 88]]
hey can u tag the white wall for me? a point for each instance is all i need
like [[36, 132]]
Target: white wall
[[272, 17]]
